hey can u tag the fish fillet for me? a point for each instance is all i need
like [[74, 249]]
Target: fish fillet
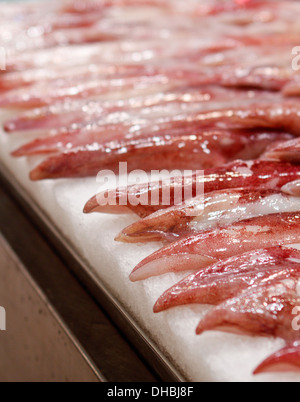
[[209, 211], [285, 360], [226, 279], [257, 174], [265, 310], [200, 250]]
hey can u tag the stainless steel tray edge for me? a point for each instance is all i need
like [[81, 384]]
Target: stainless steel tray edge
[[137, 337]]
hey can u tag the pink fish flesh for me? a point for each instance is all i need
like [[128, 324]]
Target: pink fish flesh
[[209, 211], [286, 151], [292, 188], [42, 94], [184, 150], [16, 79], [200, 250], [285, 360], [257, 174], [265, 310], [84, 111], [226, 279], [168, 119], [206, 7], [266, 115]]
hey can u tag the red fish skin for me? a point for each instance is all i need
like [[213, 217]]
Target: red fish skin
[[215, 245], [169, 113], [84, 111], [38, 95], [41, 94], [244, 144], [284, 116], [41, 58], [179, 151], [86, 161], [47, 124], [75, 138], [47, 118], [224, 280], [87, 6], [84, 34], [57, 28], [292, 188], [286, 151], [265, 310], [88, 109], [291, 88], [88, 34], [52, 21], [67, 21], [228, 75], [182, 220], [19, 22], [77, 141], [254, 77], [16, 79], [285, 360], [105, 136], [237, 174], [188, 151], [260, 77], [109, 52]]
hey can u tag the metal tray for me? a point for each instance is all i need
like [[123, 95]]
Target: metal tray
[[135, 335]]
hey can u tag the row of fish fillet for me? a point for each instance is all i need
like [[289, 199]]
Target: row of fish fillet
[[211, 86]]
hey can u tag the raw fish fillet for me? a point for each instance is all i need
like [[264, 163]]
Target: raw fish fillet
[[166, 120], [91, 85], [285, 360], [203, 9], [42, 35], [143, 116], [175, 84], [43, 94], [19, 12], [292, 188], [241, 65], [83, 111], [257, 174], [283, 116], [197, 251], [213, 210], [43, 24], [88, 154], [40, 94], [265, 310], [77, 139], [16, 79], [292, 88], [226, 279], [118, 25], [203, 72], [103, 30], [56, 29], [287, 151], [118, 52]]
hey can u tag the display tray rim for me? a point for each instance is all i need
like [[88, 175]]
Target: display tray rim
[[121, 318]]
